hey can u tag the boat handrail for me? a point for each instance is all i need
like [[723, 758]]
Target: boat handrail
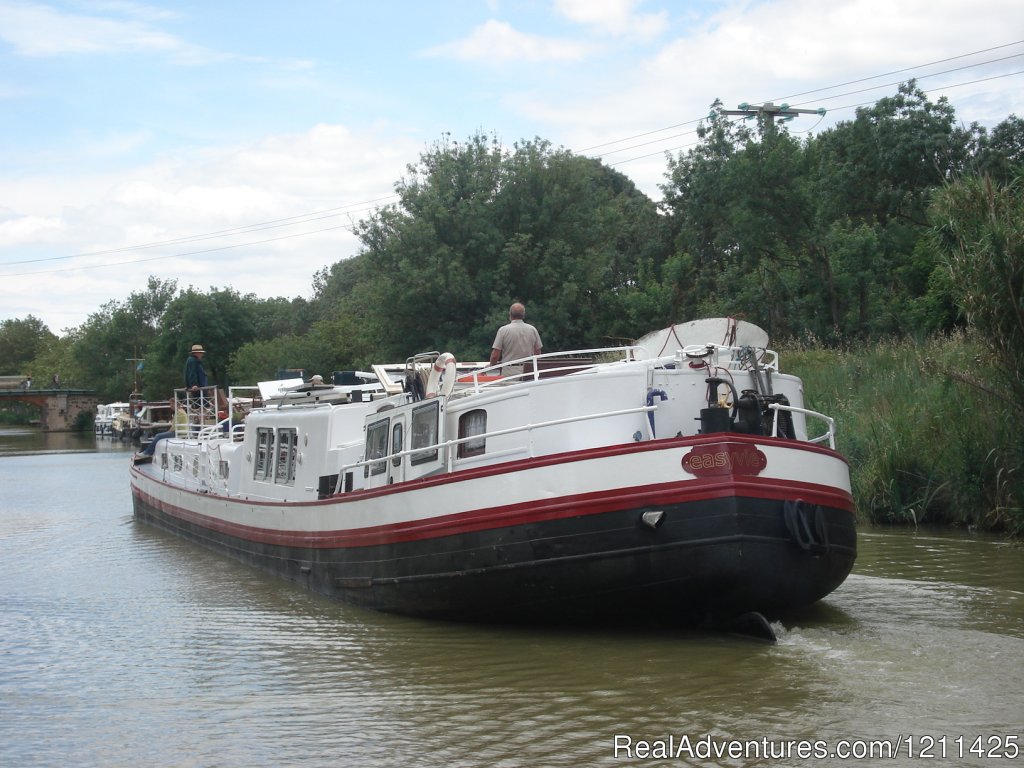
[[492, 375], [237, 429], [448, 444], [830, 423], [532, 370], [196, 417], [737, 356], [194, 411]]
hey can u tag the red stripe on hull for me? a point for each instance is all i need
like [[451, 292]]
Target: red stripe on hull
[[587, 455], [519, 514]]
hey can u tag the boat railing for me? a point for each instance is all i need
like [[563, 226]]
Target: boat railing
[[446, 446], [236, 429], [545, 365], [729, 357], [204, 415], [194, 411], [549, 364], [829, 422]]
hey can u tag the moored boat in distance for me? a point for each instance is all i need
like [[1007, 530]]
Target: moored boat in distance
[[106, 413], [679, 479]]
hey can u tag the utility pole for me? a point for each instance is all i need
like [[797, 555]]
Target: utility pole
[[768, 112]]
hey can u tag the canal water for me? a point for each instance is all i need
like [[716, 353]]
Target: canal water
[[122, 646]]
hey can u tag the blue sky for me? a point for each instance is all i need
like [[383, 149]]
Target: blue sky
[[160, 138]]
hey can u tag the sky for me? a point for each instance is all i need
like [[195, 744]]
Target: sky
[[235, 144]]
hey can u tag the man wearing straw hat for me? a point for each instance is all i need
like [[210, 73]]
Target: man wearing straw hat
[[195, 376]]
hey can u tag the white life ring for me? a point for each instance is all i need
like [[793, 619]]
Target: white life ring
[[442, 376]]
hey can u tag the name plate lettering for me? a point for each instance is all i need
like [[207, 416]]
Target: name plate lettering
[[725, 459]]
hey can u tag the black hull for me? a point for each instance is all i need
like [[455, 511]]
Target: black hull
[[707, 561]]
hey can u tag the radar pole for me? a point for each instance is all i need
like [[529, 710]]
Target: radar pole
[[135, 370], [768, 113]]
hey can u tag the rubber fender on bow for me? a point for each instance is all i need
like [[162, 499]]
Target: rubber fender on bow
[[794, 514], [809, 534], [442, 376], [821, 527]]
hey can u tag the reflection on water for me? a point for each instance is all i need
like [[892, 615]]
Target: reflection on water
[[22, 441], [138, 648]]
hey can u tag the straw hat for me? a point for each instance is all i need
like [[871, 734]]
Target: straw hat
[[198, 348]]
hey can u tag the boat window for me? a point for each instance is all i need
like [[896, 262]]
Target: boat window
[[287, 446], [424, 432], [163, 460], [264, 446], [397, 438], [225, 468], [177, 462], [470, 424], [377, 446]]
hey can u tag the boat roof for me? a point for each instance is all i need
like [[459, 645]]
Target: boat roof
[[722, 331]]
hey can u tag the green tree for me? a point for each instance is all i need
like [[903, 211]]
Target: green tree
[[330, 345], [978, 226], [221, 320], [107, 346], [871, 180], [697, 198], [21, 340], [822, 236], [479, 226], [56, 358], [1000, 154]]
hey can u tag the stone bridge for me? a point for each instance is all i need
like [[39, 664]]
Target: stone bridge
[[58, 408]]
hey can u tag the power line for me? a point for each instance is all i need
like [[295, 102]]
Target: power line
[[832, 87], [920, 77], [907, 69], [179, 255], [941, 88], [288, 221], [832, 109], [641, 135]]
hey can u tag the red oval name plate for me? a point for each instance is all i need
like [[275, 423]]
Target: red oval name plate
[[725, 459]]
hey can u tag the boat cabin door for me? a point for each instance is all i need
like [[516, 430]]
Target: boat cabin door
[[396, 464], [385, 440], [389, 433]]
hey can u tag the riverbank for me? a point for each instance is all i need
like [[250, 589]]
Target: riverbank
[[928, 440]]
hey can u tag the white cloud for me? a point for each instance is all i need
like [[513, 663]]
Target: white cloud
[[758, 51], [497, 41], [206, 202], [614, 17], [41, 30], [36, 30], [23, 230]]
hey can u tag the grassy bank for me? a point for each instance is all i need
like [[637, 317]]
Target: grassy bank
[[928, 439]]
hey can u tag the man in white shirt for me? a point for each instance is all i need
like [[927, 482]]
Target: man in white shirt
[[515, 340]]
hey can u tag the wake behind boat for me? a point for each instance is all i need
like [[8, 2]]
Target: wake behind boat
[[679, 479]]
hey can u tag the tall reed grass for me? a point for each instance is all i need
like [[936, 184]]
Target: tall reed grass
[[928, 439]]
